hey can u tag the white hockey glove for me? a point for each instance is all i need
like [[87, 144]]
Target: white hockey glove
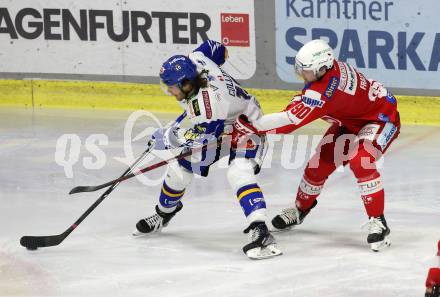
[[168, 138], [175, 137]]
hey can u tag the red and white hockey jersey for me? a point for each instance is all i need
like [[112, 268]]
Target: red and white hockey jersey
[[342, 95]]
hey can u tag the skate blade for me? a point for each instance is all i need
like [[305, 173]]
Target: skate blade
[[273, 229], [260, 253], [137, 234], [378, 246]]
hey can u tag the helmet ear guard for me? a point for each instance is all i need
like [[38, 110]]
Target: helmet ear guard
[[322, 68]]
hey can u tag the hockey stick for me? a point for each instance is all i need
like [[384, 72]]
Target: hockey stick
[[34, 242], [81, 189]]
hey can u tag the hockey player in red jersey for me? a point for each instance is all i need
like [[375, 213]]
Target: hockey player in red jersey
[[433, 279], [433, 283], [364, 122]]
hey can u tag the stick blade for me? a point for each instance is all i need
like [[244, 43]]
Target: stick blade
[[34, 242], [82, 189]]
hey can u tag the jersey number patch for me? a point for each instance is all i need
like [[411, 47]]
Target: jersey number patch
[[300, 111]]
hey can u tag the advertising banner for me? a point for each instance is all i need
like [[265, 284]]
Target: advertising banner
[[128, 38], [395, 42]]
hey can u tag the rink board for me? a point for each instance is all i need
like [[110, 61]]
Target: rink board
[[112, 95]]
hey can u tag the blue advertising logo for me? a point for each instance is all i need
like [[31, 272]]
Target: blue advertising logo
[[395, 42]]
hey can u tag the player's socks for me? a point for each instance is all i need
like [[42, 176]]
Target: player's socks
[[373, 196], [307, 193]]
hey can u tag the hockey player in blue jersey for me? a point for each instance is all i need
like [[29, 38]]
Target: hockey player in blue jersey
[[213, 100]]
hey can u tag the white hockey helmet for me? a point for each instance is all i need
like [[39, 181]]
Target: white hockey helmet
[[313, 55]]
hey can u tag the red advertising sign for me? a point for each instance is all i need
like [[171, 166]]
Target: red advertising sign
[[235, 29]]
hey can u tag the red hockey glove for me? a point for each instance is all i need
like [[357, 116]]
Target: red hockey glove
[[243, 129], [433, 283]]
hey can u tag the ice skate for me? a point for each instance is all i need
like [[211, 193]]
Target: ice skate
[[378, 233], [262, 244], [156, 222], [289, 218]]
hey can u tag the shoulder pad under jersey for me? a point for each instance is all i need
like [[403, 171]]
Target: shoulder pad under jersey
[[202, 62], [213, 50]]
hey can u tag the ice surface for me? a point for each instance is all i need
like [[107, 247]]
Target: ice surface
[[199, 253]]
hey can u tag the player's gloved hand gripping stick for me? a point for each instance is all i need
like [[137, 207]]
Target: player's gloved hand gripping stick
[[164, 139], [34, 242]]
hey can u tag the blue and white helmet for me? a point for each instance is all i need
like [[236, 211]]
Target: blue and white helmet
[[176, 70]]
